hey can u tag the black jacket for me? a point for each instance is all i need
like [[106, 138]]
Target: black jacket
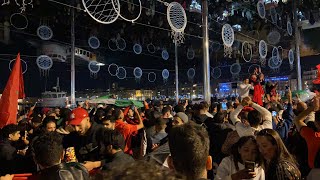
[[63, 171], [118, 158], [87, 147], [10, 161]]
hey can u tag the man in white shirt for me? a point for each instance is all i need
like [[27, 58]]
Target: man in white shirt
[[255, 118], [244, 88]]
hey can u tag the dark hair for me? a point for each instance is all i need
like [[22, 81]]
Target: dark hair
[[281, 152], [203, 105], [254, 118], [116, 113], [9, 129], [189, 147], [141, 170], [48, 120], [235, 150], [220, 116], [166, 109], [109, 118], [99, 114], [114, 138], [179, 108], [47, 149]]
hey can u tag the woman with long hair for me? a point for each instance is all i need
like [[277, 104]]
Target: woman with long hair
[[277, 161], [244, 162]]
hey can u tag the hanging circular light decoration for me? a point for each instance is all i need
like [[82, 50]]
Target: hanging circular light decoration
[[93, 68], [112, 44], [177, 20], [263, 49], [165, 75], [121, 73], [246, 51], [274, 37], [289, 28], [235, 68], [44, 32], [112, 69], [190, 53], [252, 68], [94, 42], [273, 14], [137, 72], [104, 12], [165, 54], [280, 53], [151, 48], [191, 73], [121, 44], [19, 21], [275, 53], [227, 35], [228, 39], [24, 65], [152, 77], [137, 48], [291, 58], [261, 9], [272, 65], [215, 72], [44, 64]]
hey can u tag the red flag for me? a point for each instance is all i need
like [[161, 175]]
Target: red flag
[[13, 90]]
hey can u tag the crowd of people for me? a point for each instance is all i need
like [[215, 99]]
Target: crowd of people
[[259, 136]]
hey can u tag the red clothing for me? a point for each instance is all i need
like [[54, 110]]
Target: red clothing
[[313, 142], [127, 130], [258, 92]]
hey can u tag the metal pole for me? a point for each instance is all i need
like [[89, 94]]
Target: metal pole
[[177, 73], [205, 44], [73, 94], [297, 42]]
